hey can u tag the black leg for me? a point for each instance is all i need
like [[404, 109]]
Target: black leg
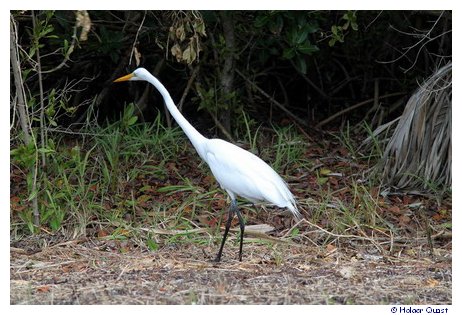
[[228, 225], [242, 225]]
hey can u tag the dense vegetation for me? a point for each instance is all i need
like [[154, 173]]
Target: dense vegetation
[[89, 156]]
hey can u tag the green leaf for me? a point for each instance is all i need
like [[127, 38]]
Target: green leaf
[[350, 18], [55, 223], [32, 195], [152, 245], [288, 53], [129, 110], [322, 180], [32, 51], [261, 21], [334, 29], [15, 152], [292, 37], [25, 74], [65, 46], [295, 232], [447, 225], [276, 25], [308, 49], [312, 27], [354, 26], [302, 36], [45, 150], [25, 155], [132, 120], [325, 171], [47, 30]]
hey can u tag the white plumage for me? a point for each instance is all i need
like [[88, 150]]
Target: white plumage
[[239, 172], [245, 174]]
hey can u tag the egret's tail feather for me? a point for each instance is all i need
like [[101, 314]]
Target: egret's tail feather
[[293, 208]]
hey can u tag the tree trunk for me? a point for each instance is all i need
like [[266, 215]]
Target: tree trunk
[[22, 111], [227, 73], [20, 94]]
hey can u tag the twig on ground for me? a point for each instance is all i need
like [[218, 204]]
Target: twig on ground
[[123, 271]]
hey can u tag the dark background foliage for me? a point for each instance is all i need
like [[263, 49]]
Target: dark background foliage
[[315, 63]]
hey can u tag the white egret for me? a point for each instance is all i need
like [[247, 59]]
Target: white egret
[[239, 172]]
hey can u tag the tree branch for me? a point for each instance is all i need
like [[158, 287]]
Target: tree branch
[[272, 100], [18, 82], [346, 110]]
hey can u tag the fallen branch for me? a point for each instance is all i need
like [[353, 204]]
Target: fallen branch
[[175, 232], [251, 230]]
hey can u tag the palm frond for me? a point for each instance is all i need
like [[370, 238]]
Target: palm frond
[[419, 153]]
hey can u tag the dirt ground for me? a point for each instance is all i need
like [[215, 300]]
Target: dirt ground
[[91, 271]]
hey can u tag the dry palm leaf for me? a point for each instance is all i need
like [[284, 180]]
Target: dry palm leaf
[[418, 154]]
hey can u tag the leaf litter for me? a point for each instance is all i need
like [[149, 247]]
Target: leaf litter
[[309, 262]]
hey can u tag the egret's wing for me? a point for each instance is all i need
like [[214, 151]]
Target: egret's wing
[[243, 173]]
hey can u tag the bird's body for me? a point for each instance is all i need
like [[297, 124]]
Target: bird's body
[[239, 172], [251, 177]]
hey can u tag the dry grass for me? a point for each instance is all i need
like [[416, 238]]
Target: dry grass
[[95, 272]]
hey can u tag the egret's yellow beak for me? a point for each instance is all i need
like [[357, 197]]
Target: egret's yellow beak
[[124, 78]]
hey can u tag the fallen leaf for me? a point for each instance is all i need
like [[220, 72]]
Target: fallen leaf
[[66, 268], [187, 209], [394, 209], [15, 204], [15, 199], [330, 248], [325, 171], [404, 219], [103, 233], [333, 181], [432, 283], [43, 289], [407, 199]]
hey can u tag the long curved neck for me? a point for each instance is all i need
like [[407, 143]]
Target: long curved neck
[[194, 136]]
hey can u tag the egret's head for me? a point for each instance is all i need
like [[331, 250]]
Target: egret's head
[[139, 74]]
